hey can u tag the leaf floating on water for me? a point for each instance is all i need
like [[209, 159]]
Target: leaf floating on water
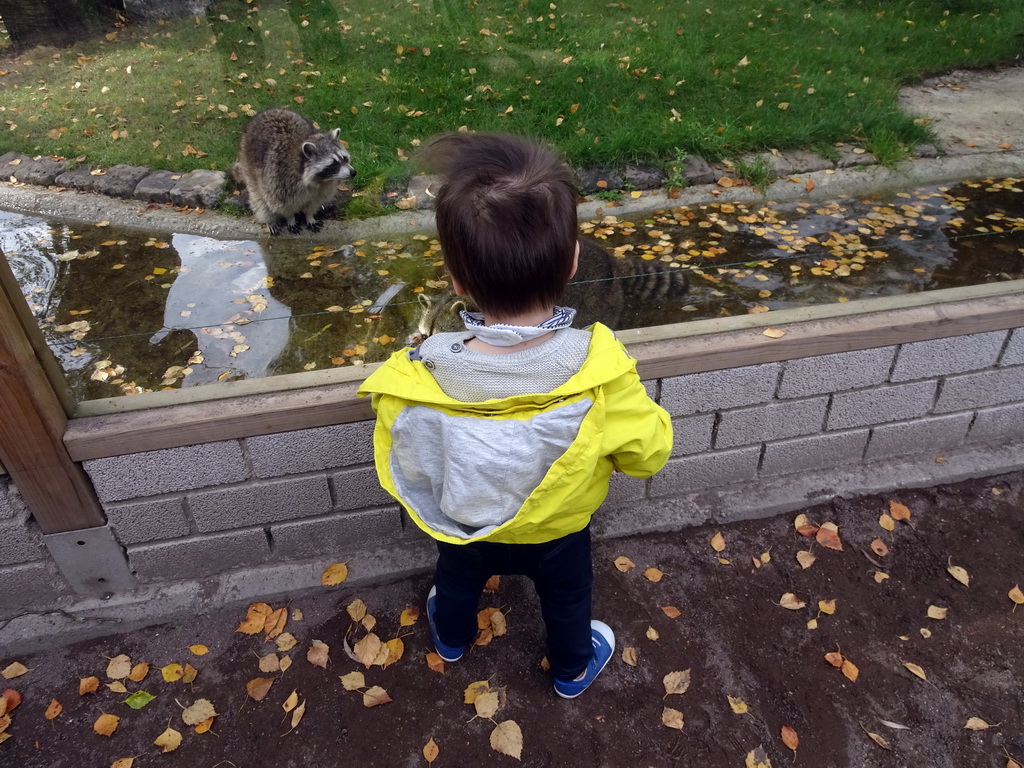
[[672, 718]]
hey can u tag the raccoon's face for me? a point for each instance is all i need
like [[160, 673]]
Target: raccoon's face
[[326, 159]]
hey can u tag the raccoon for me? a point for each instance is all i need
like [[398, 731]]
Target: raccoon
[[600, 291], [289, 168]]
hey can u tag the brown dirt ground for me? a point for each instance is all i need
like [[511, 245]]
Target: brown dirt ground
[[731, 633]]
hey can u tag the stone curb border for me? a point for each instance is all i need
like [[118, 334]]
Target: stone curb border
[[206, 188]]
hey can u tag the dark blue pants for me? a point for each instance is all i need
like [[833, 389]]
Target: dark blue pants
[[561, 572]]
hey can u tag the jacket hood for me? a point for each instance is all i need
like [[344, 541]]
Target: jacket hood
[[410, 380]]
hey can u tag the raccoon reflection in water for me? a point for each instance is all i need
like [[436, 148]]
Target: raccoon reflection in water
[[290, 169], [605, 289]]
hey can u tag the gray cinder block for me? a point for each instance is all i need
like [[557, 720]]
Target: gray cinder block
[[20, 542], [837, 372], [1003, 424], [624, 490], [1014, 353], [166, 471], [148, 520], [692, 434], [816, 452], [939, 357], [337, 533], [775, 421], [311, 450], [708, 470], [358, 488], [922, 436], [978, 390], [715, 390], [30, 586], [198, 556], [260, 503], [881, 404]]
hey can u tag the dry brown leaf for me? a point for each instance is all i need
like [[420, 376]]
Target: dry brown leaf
[[291, 702], [789, 737], [105, 725], [739, 706], [812, 624], [408, 618], [53, 710], [757, 758], [88, 685], [899, 511], [353, 681], [191, 673], [124, 762], [474, 690], [435, 662], [886, 522], [117, 687], [828, 536], [718, 542], [430, 751], [672, 718], [935, 612], [334, 574], [807, 530], [805, 558], [879, 548], [959, 574], [880, 576], [653, 574], [275, 623], [204, 725], [395, 648], [9, 701], [356, 609], [493, 584], [119, 667], [285, 641], [629, 656], [652, 634], [671, 611], [800, 521], [915, 669], [259, 687], [270, 663], [879, 740], [13, 670], [201, 710], [676, 682], [827, 606], [374, 696], [792, 602], [977, 724], [367, 650], [487, 703], [297, 714], [168, 741], [507, 739], [849, 669], [834, 658], [1017, 596], [139, 672], [319, 654], [255, 619], [624, 564], [773, 333]]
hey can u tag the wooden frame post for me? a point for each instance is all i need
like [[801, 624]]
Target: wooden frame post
[[33, 419]]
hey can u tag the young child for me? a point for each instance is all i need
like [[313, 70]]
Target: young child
[[499, 440]]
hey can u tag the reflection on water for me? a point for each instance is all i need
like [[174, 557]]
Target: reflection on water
[[125, 312]]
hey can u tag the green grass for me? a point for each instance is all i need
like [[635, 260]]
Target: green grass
[[609, 83]]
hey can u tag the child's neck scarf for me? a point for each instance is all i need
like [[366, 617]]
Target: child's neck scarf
[[502, 335]]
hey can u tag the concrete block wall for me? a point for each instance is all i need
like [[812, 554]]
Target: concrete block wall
[[749, 441]]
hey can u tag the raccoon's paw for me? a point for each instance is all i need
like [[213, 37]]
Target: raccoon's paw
[[314, 225], [295, 228], [274, 227]]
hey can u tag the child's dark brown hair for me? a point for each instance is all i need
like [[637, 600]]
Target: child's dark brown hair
[[506, 219]]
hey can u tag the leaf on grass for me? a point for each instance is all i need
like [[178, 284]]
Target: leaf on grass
[[318, 654], [409, 617], [789, 737], [805, 558], [977, 724], [739, 706], [139, 699], [475, 690], [792, 602], [899, 511], [88, 685], [671, 611], [255, 619], [259, 687], [879, 548], [53, 710], [201, 710], [828, 536], [718, 542], [629, 656], [624, 563], [507, 738], [334, 574], [169, 740], [105, 725], [139, 672], [935, 612], [757, 758], [653, 574], [119, 667], [672, 718], [374, 696], [435, 662], [959, 574], [915, 669], [430, 751], [172, 672], [676, 682]]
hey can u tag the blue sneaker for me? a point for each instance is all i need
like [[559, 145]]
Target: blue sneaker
[[603, 638], [446, 652]]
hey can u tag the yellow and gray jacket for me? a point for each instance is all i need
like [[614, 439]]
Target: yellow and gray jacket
[[522, 469]]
